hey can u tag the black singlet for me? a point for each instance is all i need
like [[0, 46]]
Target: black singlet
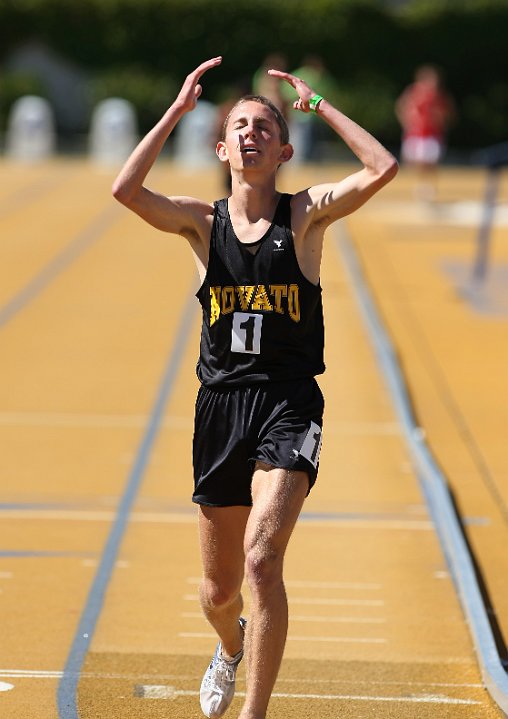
[[262, 319]]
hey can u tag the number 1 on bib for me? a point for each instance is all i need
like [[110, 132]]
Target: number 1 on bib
[[246, 333]]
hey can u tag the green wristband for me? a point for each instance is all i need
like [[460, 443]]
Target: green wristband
[[314, 102]]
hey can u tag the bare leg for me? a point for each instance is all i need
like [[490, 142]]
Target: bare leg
[[221, 533], [278, 496]]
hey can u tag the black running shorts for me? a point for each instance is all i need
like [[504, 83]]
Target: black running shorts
[[279, 424]]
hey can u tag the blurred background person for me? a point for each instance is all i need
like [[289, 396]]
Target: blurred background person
[[268, 86], [425, 111]]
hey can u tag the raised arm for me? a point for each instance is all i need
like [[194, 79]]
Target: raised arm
[[329, 202], [169, 214]]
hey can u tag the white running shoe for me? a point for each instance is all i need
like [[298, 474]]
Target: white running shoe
[[218, 685]]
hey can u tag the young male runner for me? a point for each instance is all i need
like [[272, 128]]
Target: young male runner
[[259, 409]]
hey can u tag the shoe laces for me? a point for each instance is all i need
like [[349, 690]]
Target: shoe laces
[[228, 670], [223, 674]]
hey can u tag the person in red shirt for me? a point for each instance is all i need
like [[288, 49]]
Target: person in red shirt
[[424, 111]]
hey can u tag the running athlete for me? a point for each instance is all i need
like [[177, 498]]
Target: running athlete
[[259, 409]]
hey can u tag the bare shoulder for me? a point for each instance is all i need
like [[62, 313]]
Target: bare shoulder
[[308, 234], [180, 215], [195, 216], [318, 201], [304, 207]]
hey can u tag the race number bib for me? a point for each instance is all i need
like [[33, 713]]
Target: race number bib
[[246, 333], [311, 446]]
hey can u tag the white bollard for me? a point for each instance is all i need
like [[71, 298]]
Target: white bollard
[[30, 129], [113, 131], [196, 136]]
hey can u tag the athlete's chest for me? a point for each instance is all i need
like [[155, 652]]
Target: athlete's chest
[[249, 233], [260, 261]]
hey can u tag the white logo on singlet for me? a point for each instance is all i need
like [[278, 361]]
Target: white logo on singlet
[[279, 248]]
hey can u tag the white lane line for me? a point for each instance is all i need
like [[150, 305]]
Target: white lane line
[[424, 699], [414, 525], [339, 620], [304, 584], [301, 583], [82, 419], [354, 429], [48, 674], [355, 682], [80, 515], [317, 601], [338, 602], [321, 620], [168, 692], [70, 419], [29, 674], [159, 691], [119, 564], [340, 640], [74, 515], [462, 213]]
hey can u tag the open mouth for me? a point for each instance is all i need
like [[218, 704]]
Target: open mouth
[[249, 150]]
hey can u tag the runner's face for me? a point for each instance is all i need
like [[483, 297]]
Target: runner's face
[[252, 136]]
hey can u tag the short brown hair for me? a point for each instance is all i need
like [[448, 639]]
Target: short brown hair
[[279, 117]]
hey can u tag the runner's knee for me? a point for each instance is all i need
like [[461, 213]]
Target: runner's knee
[[215, 594], [263, 567]]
